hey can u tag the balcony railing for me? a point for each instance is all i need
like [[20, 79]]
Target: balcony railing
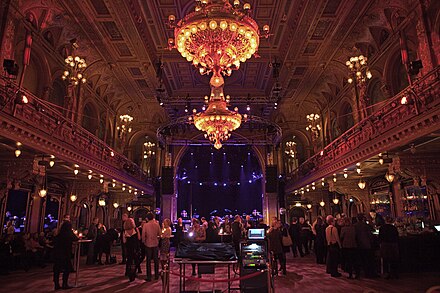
[[422, 96], [39, 117]]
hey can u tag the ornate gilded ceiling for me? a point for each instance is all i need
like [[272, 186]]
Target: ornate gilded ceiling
[[125, 44]]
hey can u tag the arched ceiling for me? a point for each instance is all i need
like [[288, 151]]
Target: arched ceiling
[[124, 40]]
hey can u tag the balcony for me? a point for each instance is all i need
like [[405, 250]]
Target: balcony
[[39, 126], [411, 114]]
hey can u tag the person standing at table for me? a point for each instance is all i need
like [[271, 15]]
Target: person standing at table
[[123, 248], [150, 237], [349, 248], [295, 234], [63, 254]]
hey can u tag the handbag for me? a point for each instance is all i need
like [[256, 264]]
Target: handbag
[[287, 241]]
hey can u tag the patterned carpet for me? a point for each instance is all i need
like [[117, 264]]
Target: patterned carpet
[[303, 275]]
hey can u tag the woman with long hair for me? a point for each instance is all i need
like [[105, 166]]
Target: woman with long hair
[[131, 239]]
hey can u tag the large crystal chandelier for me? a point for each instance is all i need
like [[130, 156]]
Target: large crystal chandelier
[[216, 37]]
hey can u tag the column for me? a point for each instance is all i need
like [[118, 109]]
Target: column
[[270, 206], [169, 208]]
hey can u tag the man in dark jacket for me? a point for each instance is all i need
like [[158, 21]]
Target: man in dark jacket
[[275, 236], [295, 234], [92, 234], [364, 239], [63, 254]]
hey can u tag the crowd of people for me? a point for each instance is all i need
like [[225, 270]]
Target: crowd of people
[[339, 242]]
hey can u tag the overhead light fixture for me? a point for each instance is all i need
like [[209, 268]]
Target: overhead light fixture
[[17, 153], [74, 72], [101, 202], [362, 184], [290, 148], [129, 208], [335, 200], [101, 180], [115, 205], [389, 177], [322, 203], [309, 206], [345, 174], [89, 176], [314, 127], [298, 204], [359, 71], [216, 38], [334, 178], [42, 192], [51, 163], [73, 198]]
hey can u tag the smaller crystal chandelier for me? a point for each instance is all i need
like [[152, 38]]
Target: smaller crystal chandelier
[[359, 71], [217, 120], [74, 72], [290, 149], [125, 125], [149, 149], [313, 127]]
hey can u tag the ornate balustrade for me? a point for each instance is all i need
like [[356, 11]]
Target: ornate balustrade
[[40, 126], [395, 124]]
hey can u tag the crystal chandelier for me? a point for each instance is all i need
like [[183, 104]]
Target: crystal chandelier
[[74, 72], [217, 36], [359, 71], [313, 127], [149, 149], [125, 125], [290, 149], [217, 120]]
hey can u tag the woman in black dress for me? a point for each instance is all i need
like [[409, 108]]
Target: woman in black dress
[[179, 232], [131, 239], [63, 255]]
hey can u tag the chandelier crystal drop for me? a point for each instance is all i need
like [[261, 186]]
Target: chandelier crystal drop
[[217, 34]]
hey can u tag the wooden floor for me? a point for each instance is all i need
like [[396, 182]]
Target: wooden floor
[[304, 275]]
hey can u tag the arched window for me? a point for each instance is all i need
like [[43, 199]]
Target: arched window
[[398, 76], [346, 120], [144, 153], [58, 93], [90, 118]]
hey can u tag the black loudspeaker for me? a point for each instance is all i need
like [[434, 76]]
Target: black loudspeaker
[[271, 179], [167, 180]]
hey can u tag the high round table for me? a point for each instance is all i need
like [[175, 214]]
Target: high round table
[[78, 257]]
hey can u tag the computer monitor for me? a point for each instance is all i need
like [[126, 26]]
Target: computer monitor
[[437, 227], [256, 234]]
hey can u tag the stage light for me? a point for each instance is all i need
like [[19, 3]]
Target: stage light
[[238, 183], [250, 181], [224, 184], [215, 183], [200, 183]]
